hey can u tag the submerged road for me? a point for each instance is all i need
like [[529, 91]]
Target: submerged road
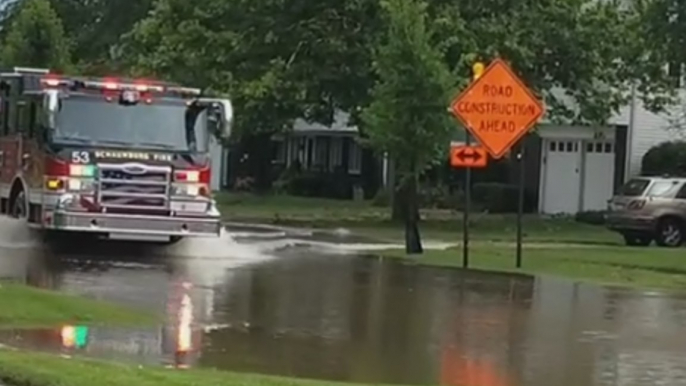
[[289, 303]]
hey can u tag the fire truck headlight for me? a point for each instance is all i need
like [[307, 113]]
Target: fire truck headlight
[[74, 184], [81, 185]]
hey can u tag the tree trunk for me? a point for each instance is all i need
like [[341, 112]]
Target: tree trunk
[[398, 201], [413, 241]]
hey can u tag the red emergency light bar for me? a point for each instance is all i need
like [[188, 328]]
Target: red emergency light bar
[[114, 85]]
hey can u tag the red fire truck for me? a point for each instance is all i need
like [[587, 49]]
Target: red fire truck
[[110, 157]]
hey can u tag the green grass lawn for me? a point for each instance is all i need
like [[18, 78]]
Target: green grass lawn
[[366, 219], [33, 369], [24, 306], [651, 267]]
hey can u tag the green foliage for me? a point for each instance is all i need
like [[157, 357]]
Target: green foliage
[[592, 217], [95, 27], [36, 38], [382, 199], [656, 41], [666, 158], [28, 306], [278, 60], [573, 53], [407, 115], [496, 197], [314, 184]]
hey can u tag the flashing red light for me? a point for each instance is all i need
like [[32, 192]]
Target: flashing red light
[[51, 82], [110, 84], [199, 175]]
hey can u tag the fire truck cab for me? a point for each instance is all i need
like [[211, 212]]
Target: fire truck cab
[[110, 157]]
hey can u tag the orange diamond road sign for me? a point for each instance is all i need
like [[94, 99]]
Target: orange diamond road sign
[[468, 157], [497, 108]]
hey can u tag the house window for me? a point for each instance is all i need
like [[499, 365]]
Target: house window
[[354, 158], [293, 150], [280, 156], [319, 152], [675, 70], [336, 153]]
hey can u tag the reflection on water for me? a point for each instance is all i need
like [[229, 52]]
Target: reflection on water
[[356, 319], [175, 343]]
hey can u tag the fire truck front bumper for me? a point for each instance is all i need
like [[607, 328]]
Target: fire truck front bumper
[[206, 224]]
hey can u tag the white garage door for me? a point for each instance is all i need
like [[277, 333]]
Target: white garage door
[[599, 174], [562, 182]]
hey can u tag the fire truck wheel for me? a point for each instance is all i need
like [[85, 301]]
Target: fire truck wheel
[[19, 205]]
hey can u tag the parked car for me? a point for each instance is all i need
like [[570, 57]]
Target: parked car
[[650, 208]]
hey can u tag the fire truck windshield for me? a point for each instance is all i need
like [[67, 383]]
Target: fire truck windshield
[[163, 124]]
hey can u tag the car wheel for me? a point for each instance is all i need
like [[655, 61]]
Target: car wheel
[[19, 209], [669, 233], [637, 240]]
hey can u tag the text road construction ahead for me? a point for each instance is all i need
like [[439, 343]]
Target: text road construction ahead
[[503, 110]]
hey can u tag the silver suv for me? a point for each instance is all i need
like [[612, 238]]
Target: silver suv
[[650, 208]]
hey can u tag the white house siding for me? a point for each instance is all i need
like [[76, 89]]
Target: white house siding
[[645, 130]]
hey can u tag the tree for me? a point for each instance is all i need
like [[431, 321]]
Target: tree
[[407, 116], [660, 28], [95, 27], [580, 56], [279, 60], [36, 38]]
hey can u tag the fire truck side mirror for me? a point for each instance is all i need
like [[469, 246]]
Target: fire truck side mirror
[[227, 115], [224, 109], [51, 103]]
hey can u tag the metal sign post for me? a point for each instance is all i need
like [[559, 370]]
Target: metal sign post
[[498, 110], [520, 201]]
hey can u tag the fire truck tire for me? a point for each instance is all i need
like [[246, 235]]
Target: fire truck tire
[[18, 208]]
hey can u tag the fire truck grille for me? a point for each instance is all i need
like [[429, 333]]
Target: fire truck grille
[[127, 186]]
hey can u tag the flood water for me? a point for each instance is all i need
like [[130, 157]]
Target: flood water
[[289, 303]]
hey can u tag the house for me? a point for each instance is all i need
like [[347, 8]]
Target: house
[[568, 168], [582, 167], [329, 156]]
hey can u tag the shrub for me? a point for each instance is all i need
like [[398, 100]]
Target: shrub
[[437, 197], [666, 158], [382, 198], [433, 196], [593, 217], [496, 197]]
